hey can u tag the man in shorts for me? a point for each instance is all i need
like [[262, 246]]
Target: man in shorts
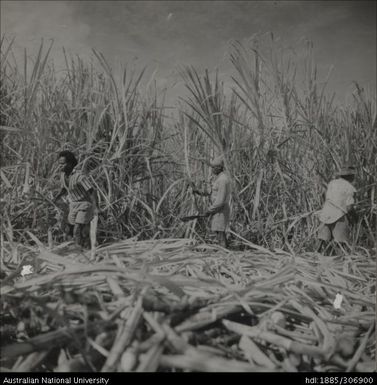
[[82, 198], [338, 207]]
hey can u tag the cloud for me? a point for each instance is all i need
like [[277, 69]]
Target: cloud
[[31, 21], [173, 33]]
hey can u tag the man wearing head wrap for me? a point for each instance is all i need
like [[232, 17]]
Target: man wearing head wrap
[[337, 208], [220, 197]]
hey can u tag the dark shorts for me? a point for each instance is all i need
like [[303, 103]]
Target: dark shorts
[[80, 213], [338, 231]]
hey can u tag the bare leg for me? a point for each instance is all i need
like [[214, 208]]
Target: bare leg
[[329, 249], [86, 235], [342, 248], [68, 232], [324, 236], [77, 234], [221, 238], [321, 246]]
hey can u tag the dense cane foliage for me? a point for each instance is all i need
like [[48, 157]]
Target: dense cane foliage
[[282, 136]]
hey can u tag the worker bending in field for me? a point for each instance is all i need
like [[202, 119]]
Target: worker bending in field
[[338, 210], [220, 197], [82, 198]]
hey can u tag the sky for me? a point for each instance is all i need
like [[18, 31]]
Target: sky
[[164, 35]]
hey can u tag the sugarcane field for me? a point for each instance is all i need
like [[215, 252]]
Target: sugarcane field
[[201, 214]]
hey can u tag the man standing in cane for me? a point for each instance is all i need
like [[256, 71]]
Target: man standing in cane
[[220, 198], [338, 209], [82, 198]]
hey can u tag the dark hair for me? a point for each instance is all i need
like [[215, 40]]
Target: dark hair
[[348, 177], [69, 157]]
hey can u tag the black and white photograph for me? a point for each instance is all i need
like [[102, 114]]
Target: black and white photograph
[[188, 187]]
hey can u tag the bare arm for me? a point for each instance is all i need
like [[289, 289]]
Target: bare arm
[[94, 200], [201, 192], [62, 192], [196, 191]]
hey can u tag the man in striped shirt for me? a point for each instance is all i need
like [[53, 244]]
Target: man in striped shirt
[[81, 195]]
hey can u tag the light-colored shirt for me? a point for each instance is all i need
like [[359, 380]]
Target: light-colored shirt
[[77, 186], [220, 198], [339, 199]]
